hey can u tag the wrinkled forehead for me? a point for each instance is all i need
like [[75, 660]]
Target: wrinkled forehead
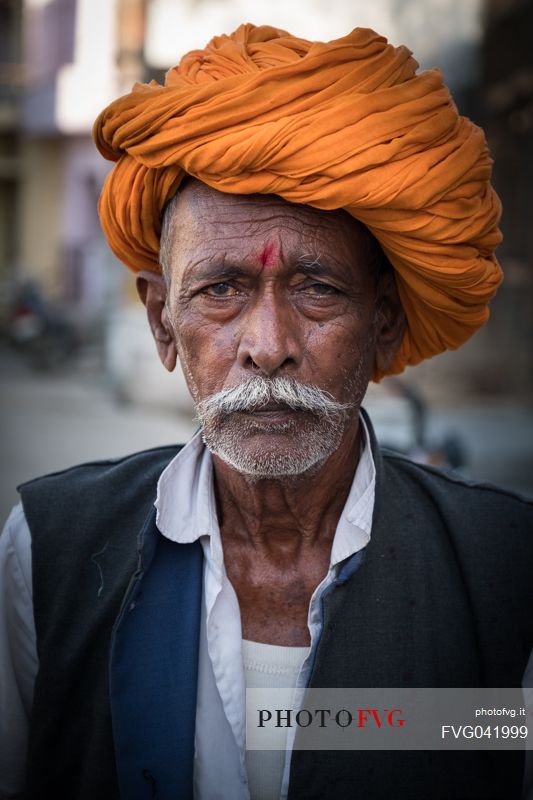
[[211, 206], [204, 219]]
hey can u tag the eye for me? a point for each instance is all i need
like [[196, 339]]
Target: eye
[[320, 289], [220, 290]]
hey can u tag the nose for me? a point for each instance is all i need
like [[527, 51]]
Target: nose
[[269, 341]]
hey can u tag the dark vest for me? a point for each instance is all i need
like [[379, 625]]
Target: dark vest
[[443, 598]]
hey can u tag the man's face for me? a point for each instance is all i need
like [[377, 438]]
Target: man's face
[[261, 290]]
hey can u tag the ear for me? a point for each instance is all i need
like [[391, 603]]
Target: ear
[[390, 321], [152, 290]]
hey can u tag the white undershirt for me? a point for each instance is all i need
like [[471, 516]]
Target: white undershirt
[[268, 666]]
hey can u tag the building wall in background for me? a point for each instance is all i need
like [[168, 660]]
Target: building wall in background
[[39, 207], [11, 86], [507, 63], [78, 58], [9, 188]]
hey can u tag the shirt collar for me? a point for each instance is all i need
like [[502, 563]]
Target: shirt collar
[[186, 507], [355, 522], [185, 501]]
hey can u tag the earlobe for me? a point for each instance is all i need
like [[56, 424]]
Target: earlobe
[[152, 291]]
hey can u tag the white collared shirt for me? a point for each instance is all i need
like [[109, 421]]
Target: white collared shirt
[[186, 512]]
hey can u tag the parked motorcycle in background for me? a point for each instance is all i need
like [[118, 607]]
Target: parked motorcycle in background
[[38, 330]]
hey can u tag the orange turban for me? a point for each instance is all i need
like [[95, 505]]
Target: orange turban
[[344, 124]]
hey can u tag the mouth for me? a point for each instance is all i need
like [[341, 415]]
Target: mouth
[[271, 412], [271, 407]]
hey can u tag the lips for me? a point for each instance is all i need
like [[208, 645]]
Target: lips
[[269, 407], [271, 413]]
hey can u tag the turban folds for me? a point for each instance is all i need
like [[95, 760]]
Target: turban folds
[[345, 124]]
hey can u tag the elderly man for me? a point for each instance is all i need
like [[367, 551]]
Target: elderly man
[[301, 218]]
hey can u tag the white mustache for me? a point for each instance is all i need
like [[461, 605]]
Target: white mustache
[[256, 392]]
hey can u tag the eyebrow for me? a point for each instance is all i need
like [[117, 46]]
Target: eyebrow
[[210, 271], [310, 265]]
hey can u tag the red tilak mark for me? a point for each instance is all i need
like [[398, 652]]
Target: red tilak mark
[[268, 255]]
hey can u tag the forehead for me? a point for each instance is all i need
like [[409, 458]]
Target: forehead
[[207, 222]]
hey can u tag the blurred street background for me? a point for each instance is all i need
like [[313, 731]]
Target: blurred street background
[[80, 376]]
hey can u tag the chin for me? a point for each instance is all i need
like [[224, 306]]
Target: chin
[[276, 452]]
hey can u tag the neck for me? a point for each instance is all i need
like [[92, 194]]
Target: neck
[[289, 514]]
